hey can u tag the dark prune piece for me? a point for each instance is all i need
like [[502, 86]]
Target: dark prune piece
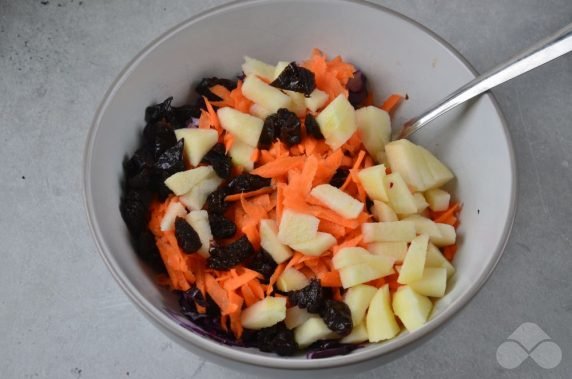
[[171, 161], [142, 180], [181, 117], [357, 89], [296, 78], [340, 177], [222, 164], [337, 316], [157, 112], [225, 258], [263, 263], [268, 134], [192, 297], [187, 238], [159, 136], [215, 201], [283, 125], [204, 86], [368, 204], [247, 183], [277, 339], [146, 249], [330, 348], [221, 227], [141, 159], [134, 209], [312, 127], [310, 297]]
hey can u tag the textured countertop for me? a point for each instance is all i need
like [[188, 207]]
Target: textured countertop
[[63, 316]]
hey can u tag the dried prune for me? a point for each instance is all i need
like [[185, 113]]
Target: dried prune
[[192, 297], [159, 136], [221, 227], [157, 112], [312, 127], [187, 237], [263, 263], [337, 316], [134, 209], [329, 348], [141, 180], [277, 339], [368, 204], [141, 159], [171, 161], [247, 183], [146, 249], [215, 201], [310, 297], [216, 157], [296, 78], [357, 89], [340, 177], [204, 86], [268, 133], [283, 125], [225, 258], [180, 117]]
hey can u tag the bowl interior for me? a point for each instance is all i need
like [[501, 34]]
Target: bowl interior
[[396, 54]]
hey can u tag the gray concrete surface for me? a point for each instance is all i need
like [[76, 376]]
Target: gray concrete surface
[[63, 316]]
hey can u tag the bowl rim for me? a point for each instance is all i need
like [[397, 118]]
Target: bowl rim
[[274, 361]]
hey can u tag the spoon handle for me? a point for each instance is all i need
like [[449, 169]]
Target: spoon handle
[[543, 52]]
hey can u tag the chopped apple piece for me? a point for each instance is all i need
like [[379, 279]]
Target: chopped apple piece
[[241, 155], [316, 246], [448, 236], [337, 122], [269, 241], [393, 231], [337, 200], [182, 182], [414, 262], [396, 250], [383, 212], [253, 66], [441, 173], [312, 330], [264, 313], [438, 199], [197, 143], [268, 97], [419, 168], [173, 211], [349, 256], [358, 298], [375, 128], [371, 179], [380, 320], [433, 283], [199, 220], [280, 66], [297, 103], [364, 272], [243, 126], [412, 308], [297, 227], [316, 100], [400, 198], [291, 280], [358, 335], [258, 111], [296, 316], [197, 196], [436, 259], [423, 225], [420, 202]]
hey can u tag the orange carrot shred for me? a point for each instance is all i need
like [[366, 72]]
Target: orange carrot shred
[[277, 272], [246, 195]]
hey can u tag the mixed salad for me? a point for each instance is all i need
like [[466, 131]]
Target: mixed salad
[[281, 213]]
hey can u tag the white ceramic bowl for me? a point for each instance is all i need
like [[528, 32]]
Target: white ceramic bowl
[[396, 54]]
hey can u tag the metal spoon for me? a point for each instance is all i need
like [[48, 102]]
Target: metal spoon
[[543, 52]]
